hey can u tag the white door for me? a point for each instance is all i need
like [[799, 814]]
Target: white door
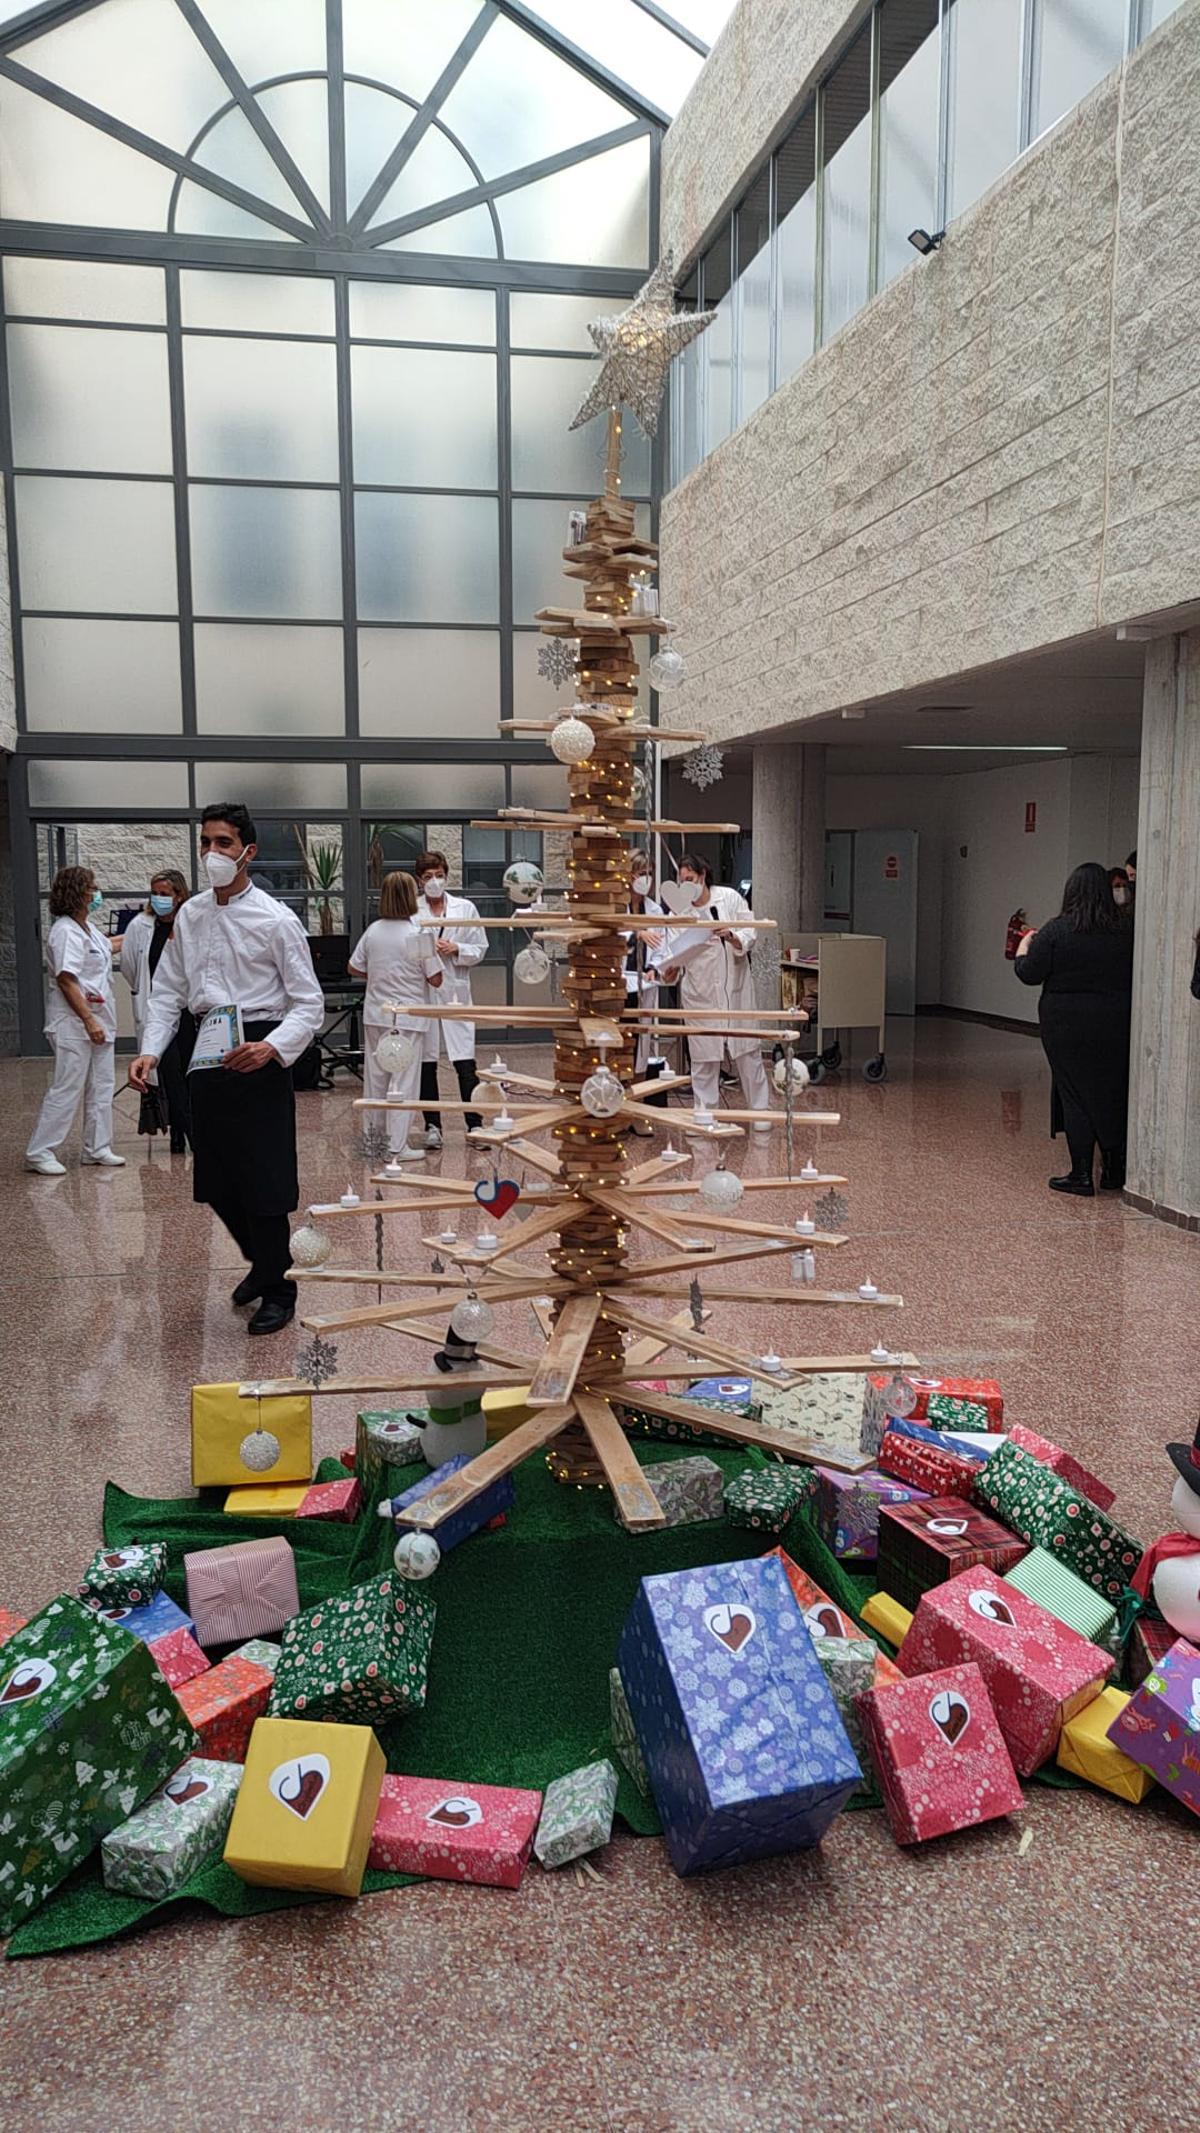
[[885, 901]]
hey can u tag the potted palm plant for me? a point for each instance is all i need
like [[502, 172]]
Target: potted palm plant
[[323, 866]]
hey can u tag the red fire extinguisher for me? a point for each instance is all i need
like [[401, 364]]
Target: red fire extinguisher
[[1017, 929]]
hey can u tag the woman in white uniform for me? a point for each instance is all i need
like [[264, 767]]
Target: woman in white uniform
[[81, 1023], [399, 965], [713, 977], [460, 948], [142, 945], [641, 976]]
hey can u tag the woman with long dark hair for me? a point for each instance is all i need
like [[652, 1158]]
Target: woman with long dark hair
[[1083, 961]]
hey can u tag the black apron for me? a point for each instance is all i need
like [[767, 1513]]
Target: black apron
[[244, 1136]]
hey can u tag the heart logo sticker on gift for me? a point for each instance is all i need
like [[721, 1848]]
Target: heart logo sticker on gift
[[951, 1714], [298, 1785], [31, 1678], [457, 1813], [118, 1559], [497, 1195], [183, 1788], [992, 1609], [733, 1626], [824, 1622], [949, 1528], [681, 896], [114, 1614]]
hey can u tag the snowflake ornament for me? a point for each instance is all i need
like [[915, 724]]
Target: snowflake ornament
[[556, 660], [317, 1362], [832, 1210], [704, 766]]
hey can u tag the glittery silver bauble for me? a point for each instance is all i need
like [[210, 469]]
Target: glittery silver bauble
[[572, 741], [472, 1319], [416, 1555], [310, 1246], [259, 1451]]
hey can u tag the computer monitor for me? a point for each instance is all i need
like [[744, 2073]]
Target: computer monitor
[[331, 957]]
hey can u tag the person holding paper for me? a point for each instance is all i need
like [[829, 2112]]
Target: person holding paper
[[459, 949], [142, 945], [235, 948], [81, 1024], [712, 969], [641, 977], [399, 961]]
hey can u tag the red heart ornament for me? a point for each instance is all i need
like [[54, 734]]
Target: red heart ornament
[[298, 1785], [497, 1195], [730, 1625], [460, 1813], [825, 1622], [992, 1608], [28, 1679], [951, 1714]]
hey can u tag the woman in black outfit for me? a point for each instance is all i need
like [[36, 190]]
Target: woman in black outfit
[[1083, 961]]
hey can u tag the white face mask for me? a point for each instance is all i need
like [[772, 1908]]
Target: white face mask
[[221, 869], [435, 887], [641, 885]]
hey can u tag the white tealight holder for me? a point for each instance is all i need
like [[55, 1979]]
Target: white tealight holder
[[867, 1290], [771, 1362], [810, 1170], [703, 1118], [393, 1168], [350, 1198], [880, 1354], [448, 1236], [487, 1241], [503, 1121], [498, 1065], [805, 1226], [672, 1155]]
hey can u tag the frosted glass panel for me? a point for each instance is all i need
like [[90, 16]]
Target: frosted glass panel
[[299, 112], [557, 321], [411, 788], [687, 416], [232, 149], [427, 558], [256, 303], [517, 102], [434, 171], [204, 214], [546, 453], [83, 288], [57, 169], [261, 409], [89, 399], [984, 52], [908, 131], [266, 552], [718, 393], [397, 311], [594, 214], [752, 297], [429, 684], [470, 235], [631, 44], [847, 221], [139, 61], [268, 680], [422, 416], [87, 545], [404, 42], [270, 37], [101, 677], [539, 537], [1156, 11], [59, 783], [544, 786], [272, 785], [1076, 47], [797, 246]]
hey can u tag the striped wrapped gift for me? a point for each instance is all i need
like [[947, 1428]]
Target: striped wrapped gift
[[1042, 1577]]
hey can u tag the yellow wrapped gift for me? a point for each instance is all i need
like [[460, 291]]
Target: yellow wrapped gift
[[886, 1615], [270, 1502], [1085, 1749], [306, 1806], [237, 1442], [504, 1409]]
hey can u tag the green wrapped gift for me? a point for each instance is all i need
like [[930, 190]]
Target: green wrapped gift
[[386, 1437], [945, 1411], [765, 1497], [688, 1490], [125, 1577], [1042, 1577], [639, 1423], [577, 1814], [88, 1729], [848, 1664], [1048, 1513], [624, 1739], [259, 1652], [358, 1658], [180, 1828]]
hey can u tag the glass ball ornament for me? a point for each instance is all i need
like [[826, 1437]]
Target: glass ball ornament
[[472, 1319], [259, 1451], [900, 1397], [798, 1075], [572, 741], [602, 1094], [721, 1190], [310, 1246], [416, 1555], [639, 787], [523, 882], [531, 966], [394, 1052], [667, 669]]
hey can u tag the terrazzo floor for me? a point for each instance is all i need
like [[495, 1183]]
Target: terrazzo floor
[[1022, 1976]]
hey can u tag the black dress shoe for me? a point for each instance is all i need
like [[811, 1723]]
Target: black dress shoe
[[247, 1291], [272, 1317], [1080, 1186], [1112, 1172]]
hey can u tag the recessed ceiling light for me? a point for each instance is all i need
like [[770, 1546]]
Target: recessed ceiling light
[[936, 710], [981, 748]]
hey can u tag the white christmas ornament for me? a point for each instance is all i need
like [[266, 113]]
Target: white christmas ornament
[[416, 1555], [1176, 1580], [394, 1052], [523, 882], [721, 1189], [259, 1451], [799, 1074], [472, 1319], [310, 1245], [666, 670], [531, 966], [572, 741], [602, 1094]]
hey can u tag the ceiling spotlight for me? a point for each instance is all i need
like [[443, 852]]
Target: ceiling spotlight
[[922, 242]]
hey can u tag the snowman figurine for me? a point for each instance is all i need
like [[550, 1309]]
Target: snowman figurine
[[1169, 1572]]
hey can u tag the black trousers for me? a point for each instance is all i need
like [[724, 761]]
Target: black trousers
[[244, 1137], [467, 1077], [172, 1078]]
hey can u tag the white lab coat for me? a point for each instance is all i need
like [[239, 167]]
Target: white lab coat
[[135, 969], [642, 990], [471, 942], [81, 1069], [717, 976]]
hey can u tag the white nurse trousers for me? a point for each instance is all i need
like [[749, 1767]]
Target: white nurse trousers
[[406, 1085], [81, 1069]]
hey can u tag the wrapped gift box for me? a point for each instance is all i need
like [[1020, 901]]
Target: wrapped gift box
[[361, 1656], [10, 1624], [471, 1517], [1086, 1750], [244, 1590], [181, 1827], [159, 1618], [922, 1544], [735, 1393], [88, 1729], [577, 1814], [223, 1704], [935, 1440], [276, 1500], [1049, 1513], [639, 1422], [939, 1753], [1042, 1577], [977, 1445], [453, 1832], [260, 1653], [944, 1411], [505, 1407], [827, 1408], [306, 1806], [222, 1422], [847, 1510], [983, 1392], [338, 1500], [848, 1664], [1038, 1672], [624, 1737], [1149, 1642], [888, 1616], [741, 1737], [688, 1490], [823, 1619], [932, 1470], [1159, 1727], [385, 1437], [1064, 1464], [125, 1577], [765, 1497], [178, 1657]]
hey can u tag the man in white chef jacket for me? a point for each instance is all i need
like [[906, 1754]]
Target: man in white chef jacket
[[460, 947], [233, 945]]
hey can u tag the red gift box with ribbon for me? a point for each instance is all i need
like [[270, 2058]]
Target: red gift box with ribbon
[[454, 1832], [939, 1752], [926, 1466]]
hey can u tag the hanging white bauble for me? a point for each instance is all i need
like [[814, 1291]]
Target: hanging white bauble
[[602, 1094], [666, 668], [799, 1074], [572, 741], [721, 1189], [639, 787], [310, 1246], [259, 1451], [523, 882], [416, 1555], [531, 966], [472, 1319], [394, 1052]]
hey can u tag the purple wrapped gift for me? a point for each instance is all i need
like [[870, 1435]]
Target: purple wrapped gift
[[847, 1509], [156, 1619], [1160, 1725], [740, 1735], [461, 1524]]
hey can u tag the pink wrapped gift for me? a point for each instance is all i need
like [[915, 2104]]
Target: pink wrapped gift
[[454, 1832], [1064, 1464], [941, 1757], [340, 1500], [244, 1590], [1038, 1672], [178, 1657]]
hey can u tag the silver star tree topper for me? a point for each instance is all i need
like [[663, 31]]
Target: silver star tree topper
[[638, 347]]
